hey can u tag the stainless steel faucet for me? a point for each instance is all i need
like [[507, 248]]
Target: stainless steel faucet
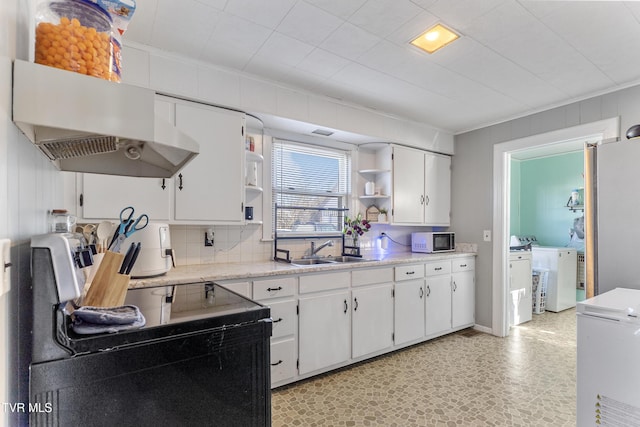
[[315, 250]]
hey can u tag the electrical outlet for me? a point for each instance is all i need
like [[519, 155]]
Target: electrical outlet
[[486, 235], [208, 237]]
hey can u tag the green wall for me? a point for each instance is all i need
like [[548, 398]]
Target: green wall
[[542, 187], [515, 198]]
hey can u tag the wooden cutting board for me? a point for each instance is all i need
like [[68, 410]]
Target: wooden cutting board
[[108, 288]]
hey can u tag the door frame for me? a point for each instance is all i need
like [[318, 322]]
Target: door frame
[[594, 132]]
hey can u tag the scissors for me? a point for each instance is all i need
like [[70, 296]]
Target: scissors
[[127, 227]]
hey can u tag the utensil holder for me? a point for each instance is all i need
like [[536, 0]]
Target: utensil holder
[[108, 288]]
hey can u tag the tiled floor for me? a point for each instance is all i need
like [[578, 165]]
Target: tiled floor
[[463, 379]]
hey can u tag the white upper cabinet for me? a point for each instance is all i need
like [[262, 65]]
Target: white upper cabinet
[[408, 186], [104, 196], [421, 187], [437, 189], [211, 186]]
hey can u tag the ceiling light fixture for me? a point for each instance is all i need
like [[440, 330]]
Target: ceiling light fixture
[[434, 38]]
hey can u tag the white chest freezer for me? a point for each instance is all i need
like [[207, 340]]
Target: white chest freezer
[[562, 264], [608, 368]]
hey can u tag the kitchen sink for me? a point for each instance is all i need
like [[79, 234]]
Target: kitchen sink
[[329, 260], [310, 261], [347, 258]]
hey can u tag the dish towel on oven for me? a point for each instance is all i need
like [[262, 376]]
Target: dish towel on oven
[[97, 320]]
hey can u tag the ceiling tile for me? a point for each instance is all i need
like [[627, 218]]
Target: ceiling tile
[[234, 41], [383, 17], [386, 57], [500, 22], [308, 23], [322, 63], [218, 4], [609, 47], [349, 41], [266, 13], [413, 28], [459, 13], [141, 25], [488, 68], [198, 23], [425, 4], [283, 49], [221, 54], [340, 8]]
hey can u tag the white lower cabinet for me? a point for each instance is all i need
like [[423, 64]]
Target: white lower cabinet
[[438, 297], [463, 303], [372, 321], [409, 304], [279, 295], [324, 325], [326, 320], [283, 360], [409, 311]]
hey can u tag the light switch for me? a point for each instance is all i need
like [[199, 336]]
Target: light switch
[[5, 265]]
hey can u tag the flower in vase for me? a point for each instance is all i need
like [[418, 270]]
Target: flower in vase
[[355, 227]]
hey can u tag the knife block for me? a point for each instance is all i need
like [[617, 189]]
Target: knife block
[[108, 288]]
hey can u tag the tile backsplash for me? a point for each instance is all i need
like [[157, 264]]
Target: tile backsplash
[[235, 243]]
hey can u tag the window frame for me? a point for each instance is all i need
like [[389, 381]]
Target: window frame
[[343, 196]]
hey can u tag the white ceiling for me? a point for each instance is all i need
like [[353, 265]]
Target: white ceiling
[[514, 57]]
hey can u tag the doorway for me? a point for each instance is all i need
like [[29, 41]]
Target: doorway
[[502, 156]]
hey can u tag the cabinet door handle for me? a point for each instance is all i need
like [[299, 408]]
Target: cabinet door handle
[[355, 304], [279, 320], [163, 186], [463, 265], [346, 306], [428, 290], [421, 292], [426, 199], [455, 286], [279, 288], [438, 268], [422, 199], [277, 363], [410, 273], [180, 186]]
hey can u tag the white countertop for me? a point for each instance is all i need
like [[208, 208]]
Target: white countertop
[[231, 271]]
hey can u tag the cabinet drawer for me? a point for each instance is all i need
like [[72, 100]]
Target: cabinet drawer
[[409, 272], [324, 282], [283, 314], [272, 288], [242, 288], [438, 267], [283, 360], [367, 276], [463, 264]]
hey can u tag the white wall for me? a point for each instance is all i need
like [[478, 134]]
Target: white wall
[[472, 178], [29, 186]]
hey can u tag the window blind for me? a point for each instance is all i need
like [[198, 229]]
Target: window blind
[[309, 176]]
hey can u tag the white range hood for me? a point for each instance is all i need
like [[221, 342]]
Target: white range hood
[[86, 124]]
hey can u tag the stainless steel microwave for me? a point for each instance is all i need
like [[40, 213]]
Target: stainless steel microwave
[[432, 242]]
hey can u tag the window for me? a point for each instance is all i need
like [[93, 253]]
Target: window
[[309, 176]]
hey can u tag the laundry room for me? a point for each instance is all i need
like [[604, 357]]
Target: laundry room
[[547, 229]]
